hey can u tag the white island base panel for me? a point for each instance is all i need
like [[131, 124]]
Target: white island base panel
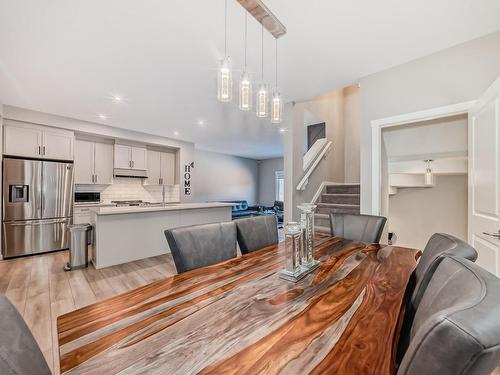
[[128, 234]]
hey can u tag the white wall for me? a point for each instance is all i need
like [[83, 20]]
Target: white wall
[[415, 214], [267, 180], [339, 110], [225, 177], [455, 75]]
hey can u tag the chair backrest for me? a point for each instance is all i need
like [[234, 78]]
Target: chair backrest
[[19, 352], [364, 228], [456, 329], [201, 245], [438, 247], [256, 232]]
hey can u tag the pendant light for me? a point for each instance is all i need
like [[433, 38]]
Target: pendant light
[[261, 98], [429, 176], [224, 75], [276, 102], [245, 89]]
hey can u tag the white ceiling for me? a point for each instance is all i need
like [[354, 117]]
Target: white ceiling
[[69, 57]]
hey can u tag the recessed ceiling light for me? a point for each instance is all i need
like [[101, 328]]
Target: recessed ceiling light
[[282, 130], [176, 133], [102, 116], [117, 99], [202, 123]]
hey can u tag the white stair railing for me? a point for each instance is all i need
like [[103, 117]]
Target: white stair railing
[[312, 159]]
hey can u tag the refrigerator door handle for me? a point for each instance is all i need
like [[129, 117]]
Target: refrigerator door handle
[[37, 222]]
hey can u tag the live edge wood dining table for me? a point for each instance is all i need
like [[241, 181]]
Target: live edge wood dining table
[[239, 317]]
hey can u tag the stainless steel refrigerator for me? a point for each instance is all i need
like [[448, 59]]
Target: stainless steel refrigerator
[[37, 206]]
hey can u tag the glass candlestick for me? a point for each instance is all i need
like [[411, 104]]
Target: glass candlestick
[[293, 239], [292, 247], [307, 228]]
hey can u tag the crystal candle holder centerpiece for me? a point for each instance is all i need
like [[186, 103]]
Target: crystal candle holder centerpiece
[[307, 227], [293, 245]]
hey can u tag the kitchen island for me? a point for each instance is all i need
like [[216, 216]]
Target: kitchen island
[[125, 234]]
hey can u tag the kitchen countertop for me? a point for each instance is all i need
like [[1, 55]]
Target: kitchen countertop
[[100, 210]]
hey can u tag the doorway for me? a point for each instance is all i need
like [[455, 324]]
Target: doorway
[[424, 180]]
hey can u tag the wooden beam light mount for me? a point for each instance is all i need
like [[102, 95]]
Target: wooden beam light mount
[[264, 16]]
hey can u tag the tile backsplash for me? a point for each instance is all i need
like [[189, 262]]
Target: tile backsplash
[[132, 189]]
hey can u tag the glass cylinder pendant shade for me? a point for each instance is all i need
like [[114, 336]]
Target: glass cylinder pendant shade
[[245, 92], [261, 100], [225, 81], [276, 108], [428, 176]]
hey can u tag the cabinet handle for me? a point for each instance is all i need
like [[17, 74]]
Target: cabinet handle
[[43, 150], [39, 150], [92, 178], [132, 164], [96, 179]]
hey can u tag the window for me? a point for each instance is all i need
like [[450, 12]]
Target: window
[[315, 132], [280, 186]]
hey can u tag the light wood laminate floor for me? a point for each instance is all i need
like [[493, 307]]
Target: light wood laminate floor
[[41, 290]]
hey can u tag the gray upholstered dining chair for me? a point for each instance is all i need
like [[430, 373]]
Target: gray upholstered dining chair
[[201, 245], [363, 228], [439, 246], [256, 232], [456, 329], [19, 352]]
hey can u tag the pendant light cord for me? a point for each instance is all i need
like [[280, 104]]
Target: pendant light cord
[[246, 18], [225, 28], [262, 54], [276, 77]]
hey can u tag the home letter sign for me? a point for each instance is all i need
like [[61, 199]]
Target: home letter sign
[[187, 178]]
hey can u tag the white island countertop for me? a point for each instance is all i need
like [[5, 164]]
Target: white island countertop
[[157, 207], [126, 234]]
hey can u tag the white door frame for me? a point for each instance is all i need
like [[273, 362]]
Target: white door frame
[[399, 120]]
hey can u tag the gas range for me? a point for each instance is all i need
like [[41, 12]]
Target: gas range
[[134, 203]]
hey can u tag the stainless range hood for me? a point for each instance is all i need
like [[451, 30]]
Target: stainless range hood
[[130, 173]]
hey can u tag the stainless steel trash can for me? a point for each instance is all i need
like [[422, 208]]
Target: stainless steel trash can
[[78, 250]]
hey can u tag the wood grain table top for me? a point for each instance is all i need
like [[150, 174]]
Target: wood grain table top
[[239, 317]]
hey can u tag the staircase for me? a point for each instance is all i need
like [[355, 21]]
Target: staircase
[[337, 198]]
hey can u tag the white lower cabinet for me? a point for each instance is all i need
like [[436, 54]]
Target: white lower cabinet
[[81, 215]]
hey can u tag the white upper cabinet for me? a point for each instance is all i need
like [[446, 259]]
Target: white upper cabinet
[[122, 156], [57, 144], [22, 141], [161, 168], [154, 166], [103, 163], [84, 162], [37, 142], [93, 162], [130, 157], [139, 158], [167, 168]]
